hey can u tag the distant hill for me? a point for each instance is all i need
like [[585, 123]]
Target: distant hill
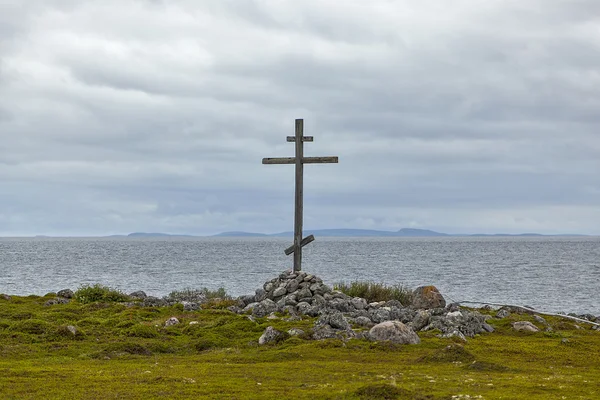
[[148, 235], [240, 234], [405, 232]]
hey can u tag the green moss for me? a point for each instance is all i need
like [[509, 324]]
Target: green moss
[[31, 326], [142, 331], [114, 356]]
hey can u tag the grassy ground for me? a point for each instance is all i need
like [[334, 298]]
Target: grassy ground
[[127, 353]]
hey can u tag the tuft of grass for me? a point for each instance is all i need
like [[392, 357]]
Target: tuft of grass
[[197, 295], [95, 293], [373, 291]]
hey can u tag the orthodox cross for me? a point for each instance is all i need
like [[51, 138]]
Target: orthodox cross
[[299, 161]]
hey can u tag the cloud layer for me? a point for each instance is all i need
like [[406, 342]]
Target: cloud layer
[[463, 116]]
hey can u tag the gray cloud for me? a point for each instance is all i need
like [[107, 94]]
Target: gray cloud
[[153, 115]]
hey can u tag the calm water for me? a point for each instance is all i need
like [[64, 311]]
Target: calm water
[[550, 274]]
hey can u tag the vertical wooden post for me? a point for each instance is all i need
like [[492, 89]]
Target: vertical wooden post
[[299, 195]]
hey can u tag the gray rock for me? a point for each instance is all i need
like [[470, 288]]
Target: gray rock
[[152, 301], [58, 300], [270, 335], [190, 306], [295, 332], [308, 278], [261, 294], [339, 304], [320, 289], [319, 301], [454, 334], [172, 321], [264, 308], [359, 303], [72, 329], [324, 332], [268, 286], [540, 320], [363, 321], [290, 300], [65, 293], [303, 307], [378, 315], [337, 321], [487, 327], [428, 297], [395, 332], [502, 313], [304, 293], [421, 320], [393, 303], [247, 299], [139, 294], [280, 291], [249, 307], [5, 297], [292, 286], [525, 326]]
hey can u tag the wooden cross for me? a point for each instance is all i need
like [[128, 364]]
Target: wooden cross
[[299, 161]]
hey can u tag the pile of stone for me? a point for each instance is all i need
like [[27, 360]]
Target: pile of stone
[[343, 316]]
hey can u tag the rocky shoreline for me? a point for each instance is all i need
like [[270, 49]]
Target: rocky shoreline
[[293, 296]]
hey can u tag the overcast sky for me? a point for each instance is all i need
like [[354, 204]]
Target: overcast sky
[[461, 116]]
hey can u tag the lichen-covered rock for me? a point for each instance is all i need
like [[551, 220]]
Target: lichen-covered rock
[[421, 320], [72, 329], [395, 332], [525, 326], [264, 308], [152, 301], [172, 321], [270, 335], [65, 293], [295, 332], [502, 313], [190, 306], [427, 297], [260, 295], [5, 297], [378, 315], [247, 299]]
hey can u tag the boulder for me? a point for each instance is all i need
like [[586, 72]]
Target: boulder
[[5, 297], [65, 293], [421, 320], [139, 294], [264, 308], [270, 335], [502, 313], [427, 297], [395, 332], [190, 306], [72, 329], [295, 332], [525, 326], [152, 301], [172, 321]]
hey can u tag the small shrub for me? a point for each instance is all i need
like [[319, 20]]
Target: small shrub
[[372, 291], [31, 326], [142, 331], [95, 293], [197, 295]]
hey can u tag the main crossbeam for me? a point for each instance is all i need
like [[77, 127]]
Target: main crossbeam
[[305, 160]]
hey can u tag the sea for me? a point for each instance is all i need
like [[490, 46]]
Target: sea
[[552, 274]]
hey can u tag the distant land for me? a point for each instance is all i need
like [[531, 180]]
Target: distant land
[[404, 232]]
